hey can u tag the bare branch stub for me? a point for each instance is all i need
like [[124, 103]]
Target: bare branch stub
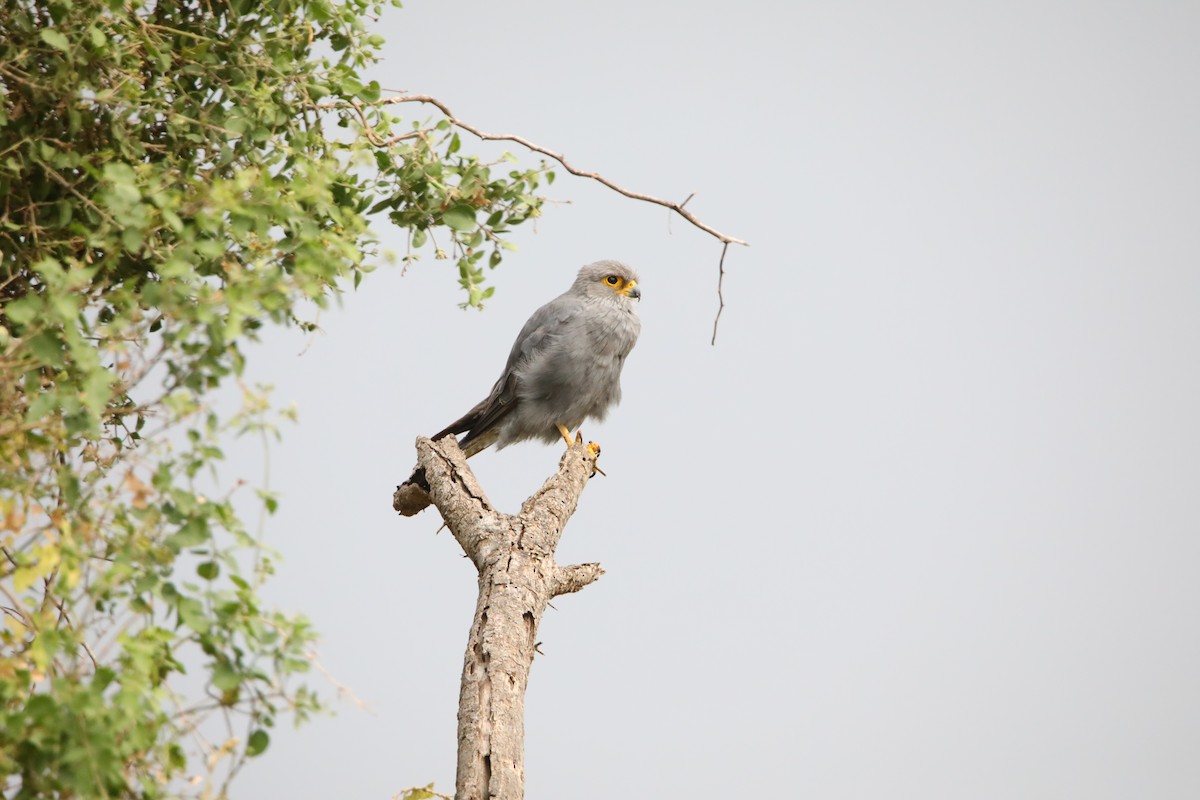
[[573, 578], [518, 576], [411, 497]]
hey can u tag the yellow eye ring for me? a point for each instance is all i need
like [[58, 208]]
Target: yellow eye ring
[[612, 280]]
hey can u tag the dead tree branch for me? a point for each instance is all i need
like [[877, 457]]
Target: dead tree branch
[[425, 99], [677, 207], [518, 577]]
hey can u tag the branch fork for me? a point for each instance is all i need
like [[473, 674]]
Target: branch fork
[[518, 577]]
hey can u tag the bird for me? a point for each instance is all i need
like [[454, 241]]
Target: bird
[[564, 367]]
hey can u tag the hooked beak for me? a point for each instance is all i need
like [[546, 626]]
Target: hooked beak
[[632, 291]]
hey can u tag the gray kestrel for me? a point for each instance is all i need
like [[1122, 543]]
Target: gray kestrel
[[564, 367]]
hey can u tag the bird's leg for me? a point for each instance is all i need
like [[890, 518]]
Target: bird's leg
[[593, 447], [566, 434]]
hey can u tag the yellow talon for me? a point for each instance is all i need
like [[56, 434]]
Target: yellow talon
[[594, 449]]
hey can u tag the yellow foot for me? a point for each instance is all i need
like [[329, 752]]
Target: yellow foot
[[594, 449]]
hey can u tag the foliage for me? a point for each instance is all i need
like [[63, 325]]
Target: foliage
[[176, 176], [420, 793]]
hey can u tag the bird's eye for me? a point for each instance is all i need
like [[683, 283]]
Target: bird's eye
[[612, 280]]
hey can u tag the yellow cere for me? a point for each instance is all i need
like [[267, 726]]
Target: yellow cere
[[619, 284]]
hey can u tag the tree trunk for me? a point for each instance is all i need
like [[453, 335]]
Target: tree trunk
[[518, 576]]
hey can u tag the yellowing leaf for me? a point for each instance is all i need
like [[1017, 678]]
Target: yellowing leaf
[[24, 577], [15, 625]]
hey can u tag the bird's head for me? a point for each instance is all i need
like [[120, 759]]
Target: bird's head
[[608, 280]]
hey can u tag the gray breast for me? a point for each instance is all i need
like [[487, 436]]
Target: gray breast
[[576, 376]]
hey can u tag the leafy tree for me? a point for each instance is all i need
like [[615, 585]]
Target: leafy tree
[[176, 176]]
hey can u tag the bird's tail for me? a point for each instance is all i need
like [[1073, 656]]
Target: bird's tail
[[480, 425]]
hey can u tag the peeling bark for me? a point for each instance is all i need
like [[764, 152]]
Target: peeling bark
[[518, 576]]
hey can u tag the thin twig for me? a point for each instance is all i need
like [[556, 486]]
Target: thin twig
[[342, 689], [62, 611], [16, 609], [686, 200], [537, 148], [561, 159], [720, 292], [678, 208]]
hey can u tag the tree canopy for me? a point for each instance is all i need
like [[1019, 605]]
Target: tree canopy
[[176, 176]]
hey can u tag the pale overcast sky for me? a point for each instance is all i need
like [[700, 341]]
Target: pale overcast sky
[[924, 524]]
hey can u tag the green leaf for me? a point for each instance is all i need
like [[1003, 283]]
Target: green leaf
[[48, 348], [24, 310], [460, 218], [191, 613], [43, 404], [226, 678], [209, 570], [270, 500], [55, 40], [257, 742], [370, 92], [192, 534]]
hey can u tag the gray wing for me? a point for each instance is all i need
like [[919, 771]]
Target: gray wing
[[482, 423]]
